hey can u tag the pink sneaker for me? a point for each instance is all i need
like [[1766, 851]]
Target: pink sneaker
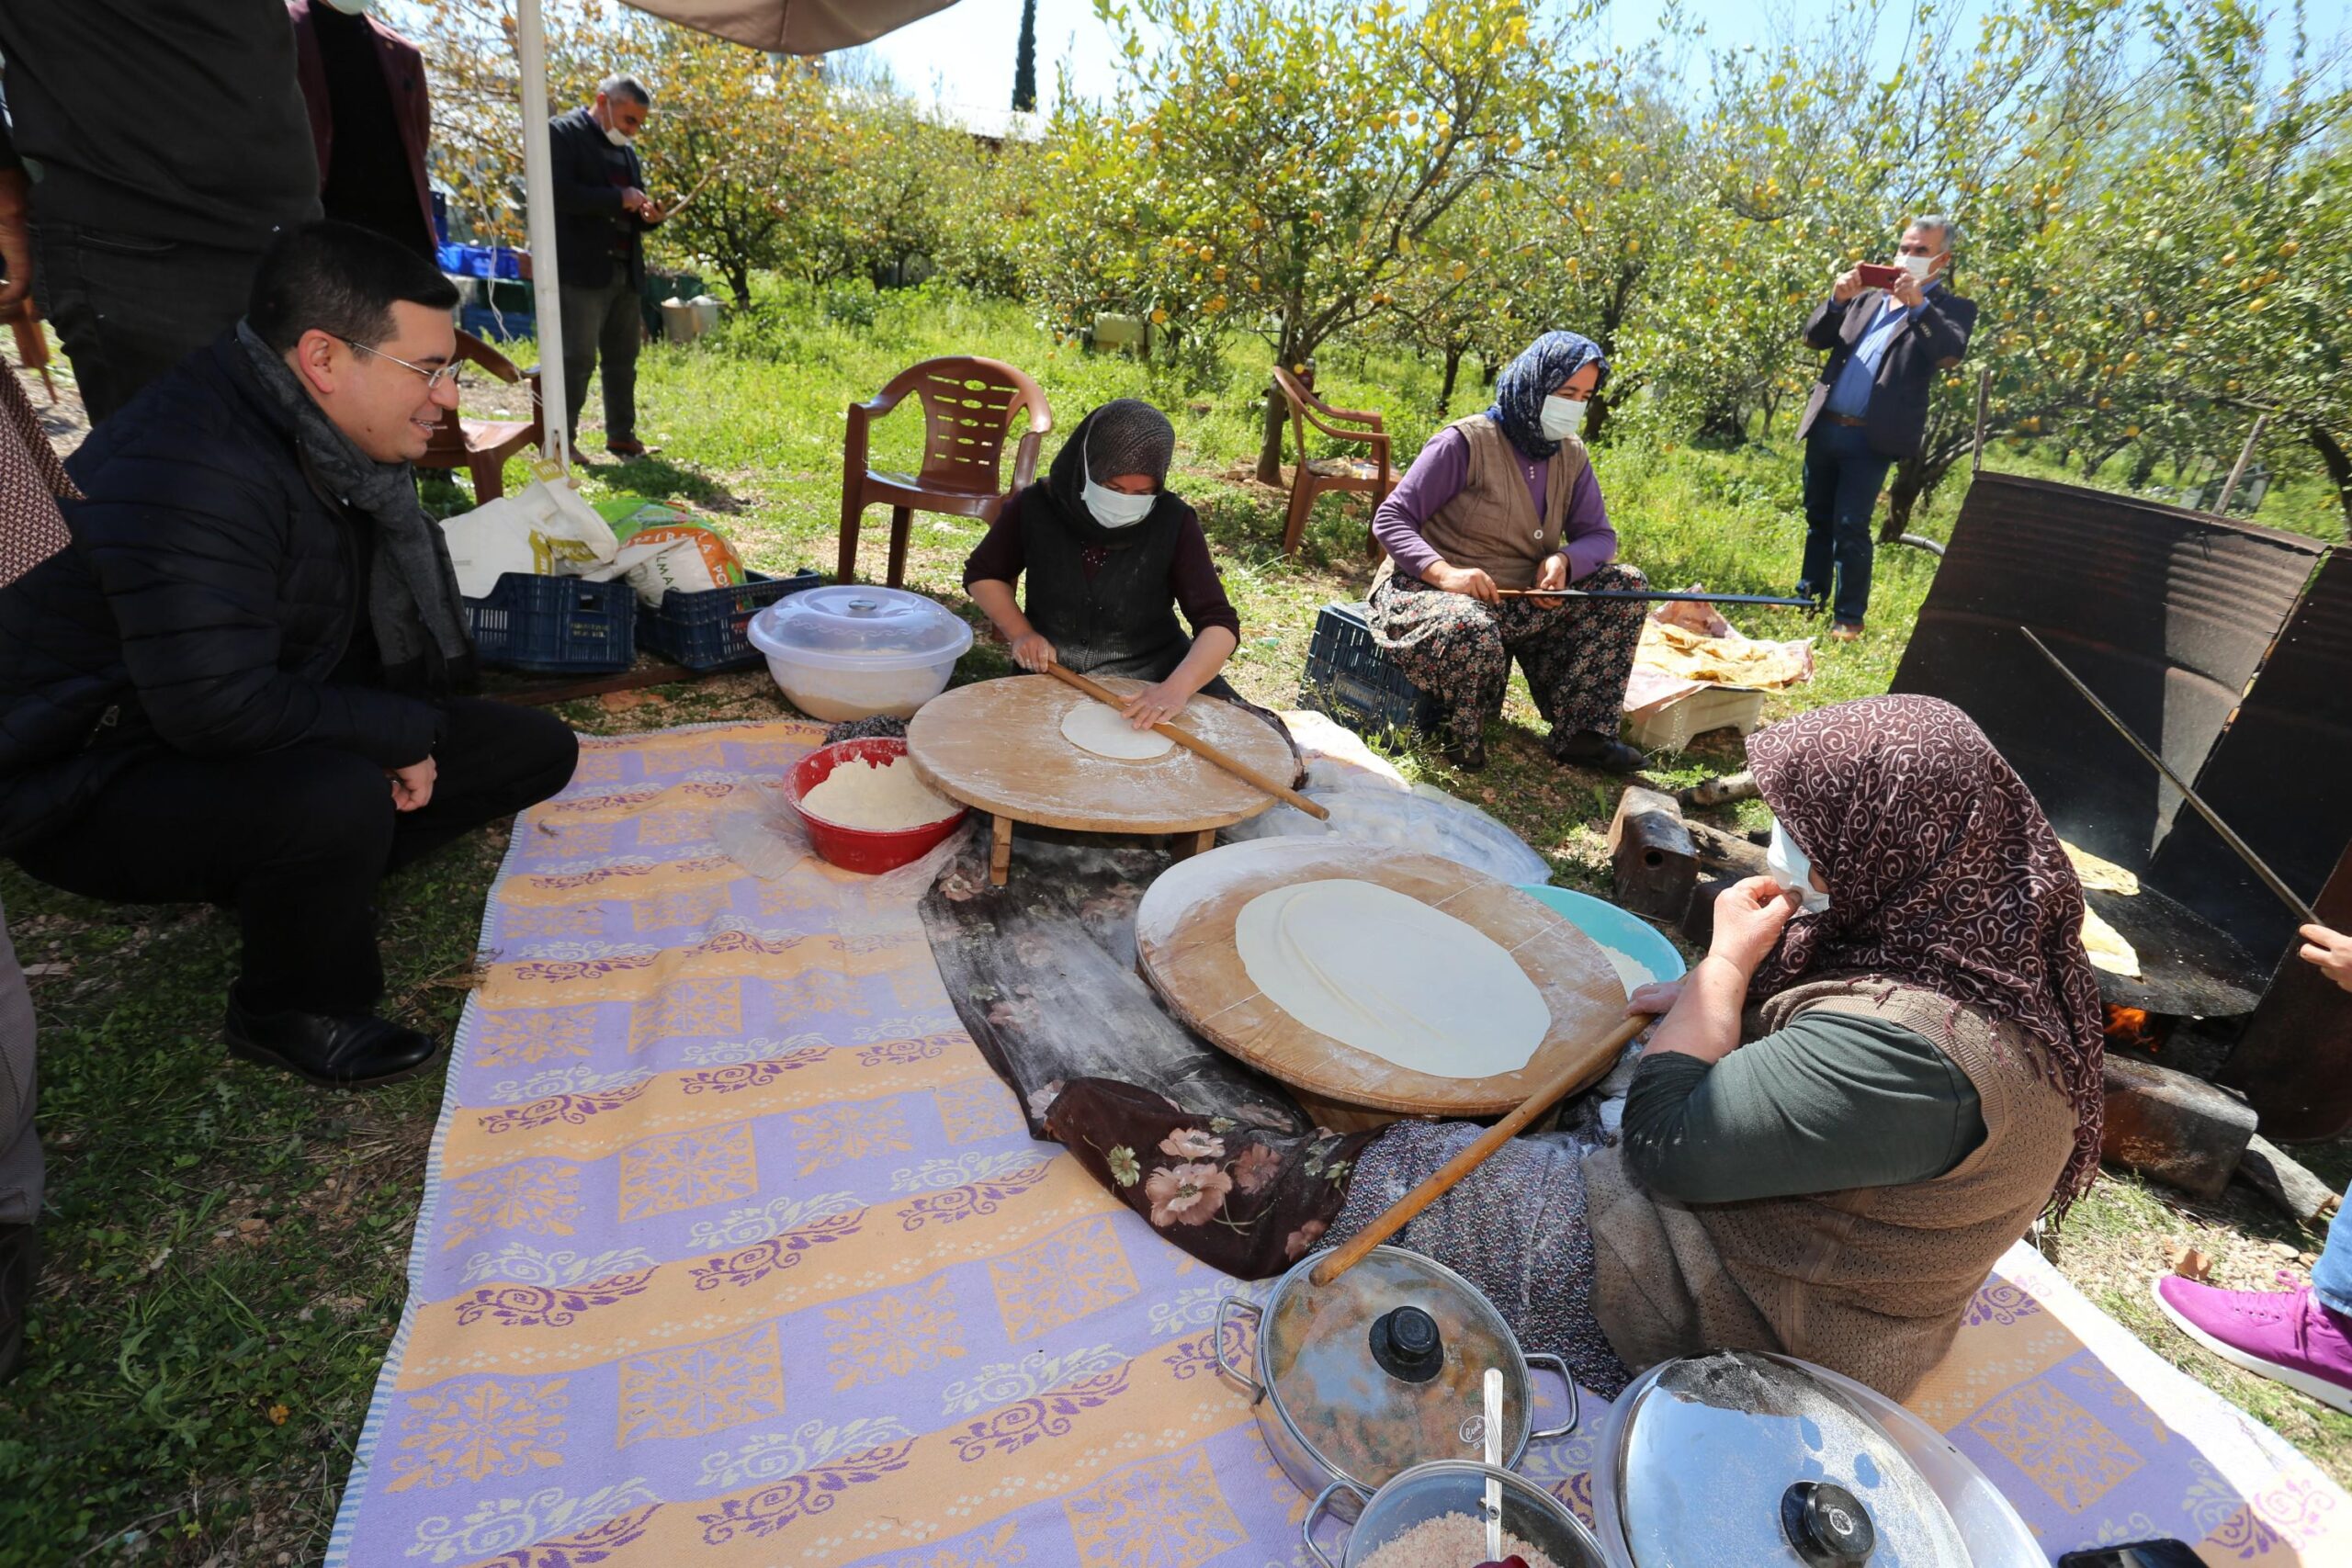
[[2286, 1336]]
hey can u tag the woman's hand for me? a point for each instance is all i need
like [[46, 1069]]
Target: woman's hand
[[1749, 917], [2330, 952], [1156, 705], [1464, 580], [1553, 574], [1654, 999], [1033, 653]]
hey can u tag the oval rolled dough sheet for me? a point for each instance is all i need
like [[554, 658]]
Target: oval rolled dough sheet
[[1103, 729], [1328, 954]]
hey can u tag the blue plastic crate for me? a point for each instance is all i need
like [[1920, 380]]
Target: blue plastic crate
[[1349, 677], [506, 325], [555, 625], [480, 261], [709, 629]]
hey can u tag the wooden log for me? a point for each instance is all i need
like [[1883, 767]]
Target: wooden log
[[2174, 1128], [1729, 855], [1652, 855], [1740, 786], [1699, 920], [2268, 1169]]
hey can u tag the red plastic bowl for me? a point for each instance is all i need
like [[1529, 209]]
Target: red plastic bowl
[[869, 850]]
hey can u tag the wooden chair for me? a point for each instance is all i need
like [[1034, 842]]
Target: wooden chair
[[1366, 476], [967, 408], [32, 345], [482, 447]]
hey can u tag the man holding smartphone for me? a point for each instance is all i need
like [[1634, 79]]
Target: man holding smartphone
[[1888, 330]]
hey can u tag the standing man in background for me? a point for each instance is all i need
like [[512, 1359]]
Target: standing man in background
[[1869, 410], [371, 119], [602, 214], [161, 143]]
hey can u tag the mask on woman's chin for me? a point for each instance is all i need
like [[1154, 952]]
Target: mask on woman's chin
[[1114, 508], [1563, 417], [1793, 869]]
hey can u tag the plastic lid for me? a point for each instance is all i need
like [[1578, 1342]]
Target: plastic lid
[[1750, 1459], [1458, 1486], [1385, 1368], [851, 626]]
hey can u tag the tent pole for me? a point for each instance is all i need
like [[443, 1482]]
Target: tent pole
[[538, 192]]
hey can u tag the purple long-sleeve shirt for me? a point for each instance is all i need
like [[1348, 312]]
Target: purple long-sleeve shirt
[[1436, 478]]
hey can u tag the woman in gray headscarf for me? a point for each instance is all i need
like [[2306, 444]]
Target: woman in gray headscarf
[[1111, 557]]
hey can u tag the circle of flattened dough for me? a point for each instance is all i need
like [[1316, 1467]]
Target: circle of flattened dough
[[1381, 971], [1104, 730]]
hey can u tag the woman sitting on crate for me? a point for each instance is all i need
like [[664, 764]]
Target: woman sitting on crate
[[1110, 557], [1507, 500]]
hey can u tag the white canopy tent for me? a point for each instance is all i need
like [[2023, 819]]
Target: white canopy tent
[[777, 27]]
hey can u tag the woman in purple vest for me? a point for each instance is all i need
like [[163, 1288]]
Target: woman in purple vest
[[1507, 500]]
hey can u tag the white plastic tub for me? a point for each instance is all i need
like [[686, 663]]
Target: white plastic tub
[[851, 651]]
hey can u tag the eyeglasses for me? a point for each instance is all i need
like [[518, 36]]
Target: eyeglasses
[[432, 378]]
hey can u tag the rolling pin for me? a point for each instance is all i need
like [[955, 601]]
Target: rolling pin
[[1404, 1211], [1198, 747]]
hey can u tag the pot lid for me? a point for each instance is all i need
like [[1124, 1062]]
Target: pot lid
[[1385, 1368], [852, 625], [1751, 1459]]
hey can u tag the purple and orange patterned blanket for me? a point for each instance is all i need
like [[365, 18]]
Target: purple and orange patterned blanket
[[733, 1250]]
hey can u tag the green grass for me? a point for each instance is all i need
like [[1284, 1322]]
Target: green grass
[[226, 1245]]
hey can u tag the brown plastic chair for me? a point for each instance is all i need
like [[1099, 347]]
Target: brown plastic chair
[[968, 411], [482, 447], [1364, 475]]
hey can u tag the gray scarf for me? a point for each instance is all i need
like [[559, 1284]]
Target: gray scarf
[[413, 601]]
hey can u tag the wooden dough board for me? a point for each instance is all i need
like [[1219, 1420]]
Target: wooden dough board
[[998, 746], [1184, 945]]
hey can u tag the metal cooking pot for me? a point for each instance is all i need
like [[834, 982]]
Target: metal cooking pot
[[1453, 1486], [1382, 1370], [1749, 1460]]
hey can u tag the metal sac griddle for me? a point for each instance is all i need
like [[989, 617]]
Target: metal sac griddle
[[2187, 965]]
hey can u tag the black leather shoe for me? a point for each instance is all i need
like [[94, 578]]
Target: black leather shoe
[[341, 1052], [19, 1270], [1590, 749]]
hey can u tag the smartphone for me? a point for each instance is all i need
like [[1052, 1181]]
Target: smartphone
[[2165, 1553], [1875, 275]]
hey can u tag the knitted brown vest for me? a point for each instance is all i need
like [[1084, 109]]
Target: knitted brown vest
[[1870, 1283], [1490, 523]]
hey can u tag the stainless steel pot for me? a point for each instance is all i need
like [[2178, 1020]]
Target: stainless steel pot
[[1749, 1460], [1452, 1486], [1381, 1370]]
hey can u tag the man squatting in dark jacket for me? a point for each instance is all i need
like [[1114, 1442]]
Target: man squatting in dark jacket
[[236, 684]]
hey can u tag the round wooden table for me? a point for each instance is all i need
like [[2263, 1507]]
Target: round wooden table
[[997, 746], [1184, 945]]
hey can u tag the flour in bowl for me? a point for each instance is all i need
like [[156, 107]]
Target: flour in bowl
[[882, 798]]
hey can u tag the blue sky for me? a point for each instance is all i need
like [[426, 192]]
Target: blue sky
[[968, 48]]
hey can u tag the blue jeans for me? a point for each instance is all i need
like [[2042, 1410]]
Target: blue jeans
[[2332, 1275], [1842, 477]]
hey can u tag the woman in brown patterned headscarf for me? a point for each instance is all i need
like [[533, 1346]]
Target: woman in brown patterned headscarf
[[1943, 873]]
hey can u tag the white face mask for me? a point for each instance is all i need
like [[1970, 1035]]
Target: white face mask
[[617, 137], [1563, 417], [1918, 266], [1114, 508], [352, 7], [1793, 869]]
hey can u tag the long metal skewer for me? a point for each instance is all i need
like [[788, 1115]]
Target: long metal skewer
[[2212, 818], [1647, 595]]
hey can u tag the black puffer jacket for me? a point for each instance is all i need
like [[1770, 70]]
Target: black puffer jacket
[[211, 590]]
